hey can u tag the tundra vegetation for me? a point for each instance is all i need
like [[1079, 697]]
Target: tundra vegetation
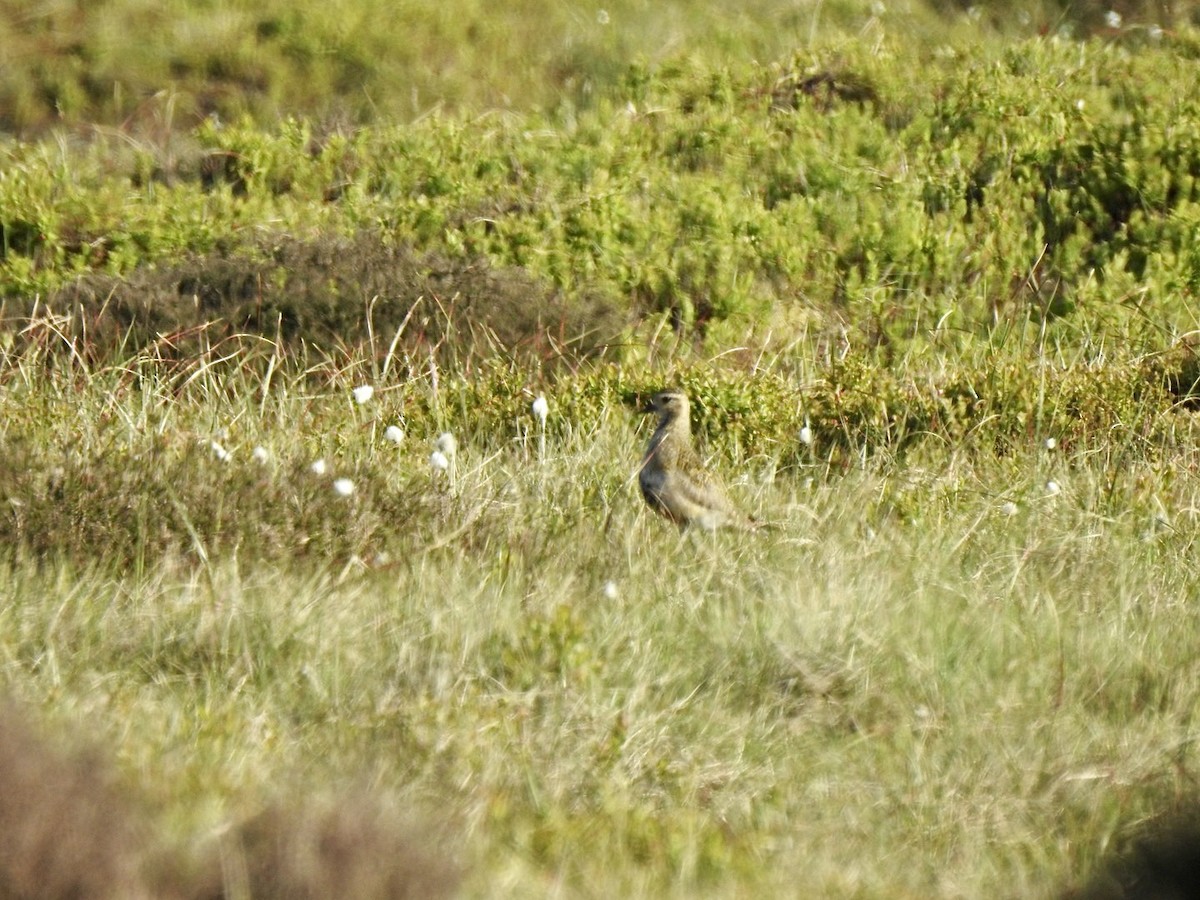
[[287, 544]]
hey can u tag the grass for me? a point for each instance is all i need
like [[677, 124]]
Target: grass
[[361, 60], [960, 660], [736, 201], [358, 61], [904, 688]]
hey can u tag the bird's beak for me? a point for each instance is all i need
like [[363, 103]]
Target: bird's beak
[[647, 407]]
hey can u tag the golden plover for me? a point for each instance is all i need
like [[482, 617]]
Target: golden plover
[[673, 480]]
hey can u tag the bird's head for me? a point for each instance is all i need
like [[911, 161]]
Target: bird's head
[[667, 404]]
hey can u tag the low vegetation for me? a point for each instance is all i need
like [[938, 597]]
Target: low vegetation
[[356, 61], [938, 334]]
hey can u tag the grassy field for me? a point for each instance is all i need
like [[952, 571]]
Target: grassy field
[[951, 675], [939, 336], [357, 61]]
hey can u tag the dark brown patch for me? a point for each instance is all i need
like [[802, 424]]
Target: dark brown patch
[[353, 846], [1159, 862], [66, 831], [330, 292]]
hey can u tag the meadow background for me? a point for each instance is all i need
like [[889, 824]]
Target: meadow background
[[928, 272]]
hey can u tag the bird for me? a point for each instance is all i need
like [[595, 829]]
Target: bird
[[674, 482]]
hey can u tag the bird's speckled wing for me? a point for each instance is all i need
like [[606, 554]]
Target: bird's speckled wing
[[692, 499]]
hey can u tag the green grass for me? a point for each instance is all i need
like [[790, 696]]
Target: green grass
[[959, 661], [904, 687], [355, 61], [1037, 181], [360, 60]]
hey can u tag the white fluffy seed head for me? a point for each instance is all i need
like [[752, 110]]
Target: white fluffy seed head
[[611, 592], [220, 452], [439, 461], [806, 436], [1053, 488], [320, 467], [344, 487], [363, 393], [541, 408], [394, 433], [1008, 508], [260, 454], [1051, 443], [446, 444]]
